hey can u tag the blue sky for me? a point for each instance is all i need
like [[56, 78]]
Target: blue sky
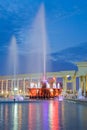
[[65, 20]]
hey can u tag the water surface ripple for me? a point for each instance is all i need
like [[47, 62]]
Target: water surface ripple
[[43, 115]]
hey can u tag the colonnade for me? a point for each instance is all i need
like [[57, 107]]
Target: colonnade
[[15, 84], [83, 84], [71, 80], [16, 87]]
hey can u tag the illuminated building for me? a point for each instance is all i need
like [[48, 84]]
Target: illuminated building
[[27, 81]]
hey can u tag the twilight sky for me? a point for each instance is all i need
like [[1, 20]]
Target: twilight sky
[[65, 21]]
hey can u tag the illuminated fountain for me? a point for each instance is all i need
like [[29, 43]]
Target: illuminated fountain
[[80, 96], [13, 67], [38, 45], [13, 60]]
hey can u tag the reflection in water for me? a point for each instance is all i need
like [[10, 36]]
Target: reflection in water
[[1, 113], [19, 116], [6, 115], [43, 115], [15, 117], [32, 115], [54, 116]]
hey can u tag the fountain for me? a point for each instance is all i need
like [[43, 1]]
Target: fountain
[[37, 44], [13, 59], [13, 66], [80, 96], [36, 57]]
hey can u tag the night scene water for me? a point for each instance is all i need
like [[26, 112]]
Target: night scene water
[[43, 115], [42, 36]]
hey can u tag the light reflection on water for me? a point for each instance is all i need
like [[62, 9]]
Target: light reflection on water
[[53, 116], [43, 115]]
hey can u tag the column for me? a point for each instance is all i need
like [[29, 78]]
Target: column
[[84, 80], [12, 86], [24, 86], [2, 87], [74, 85], [6, 86], [64, 84], [79, 82]]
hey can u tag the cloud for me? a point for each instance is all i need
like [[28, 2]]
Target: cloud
[[73, 54], [66, 14]]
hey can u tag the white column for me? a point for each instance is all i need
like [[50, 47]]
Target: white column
[[79, 82], [24, 86], [6, 85], [84, 80], [2, 87], [64, 84], [12, 86], [74, 85]]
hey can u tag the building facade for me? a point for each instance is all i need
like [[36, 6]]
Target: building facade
[[21, 83]]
